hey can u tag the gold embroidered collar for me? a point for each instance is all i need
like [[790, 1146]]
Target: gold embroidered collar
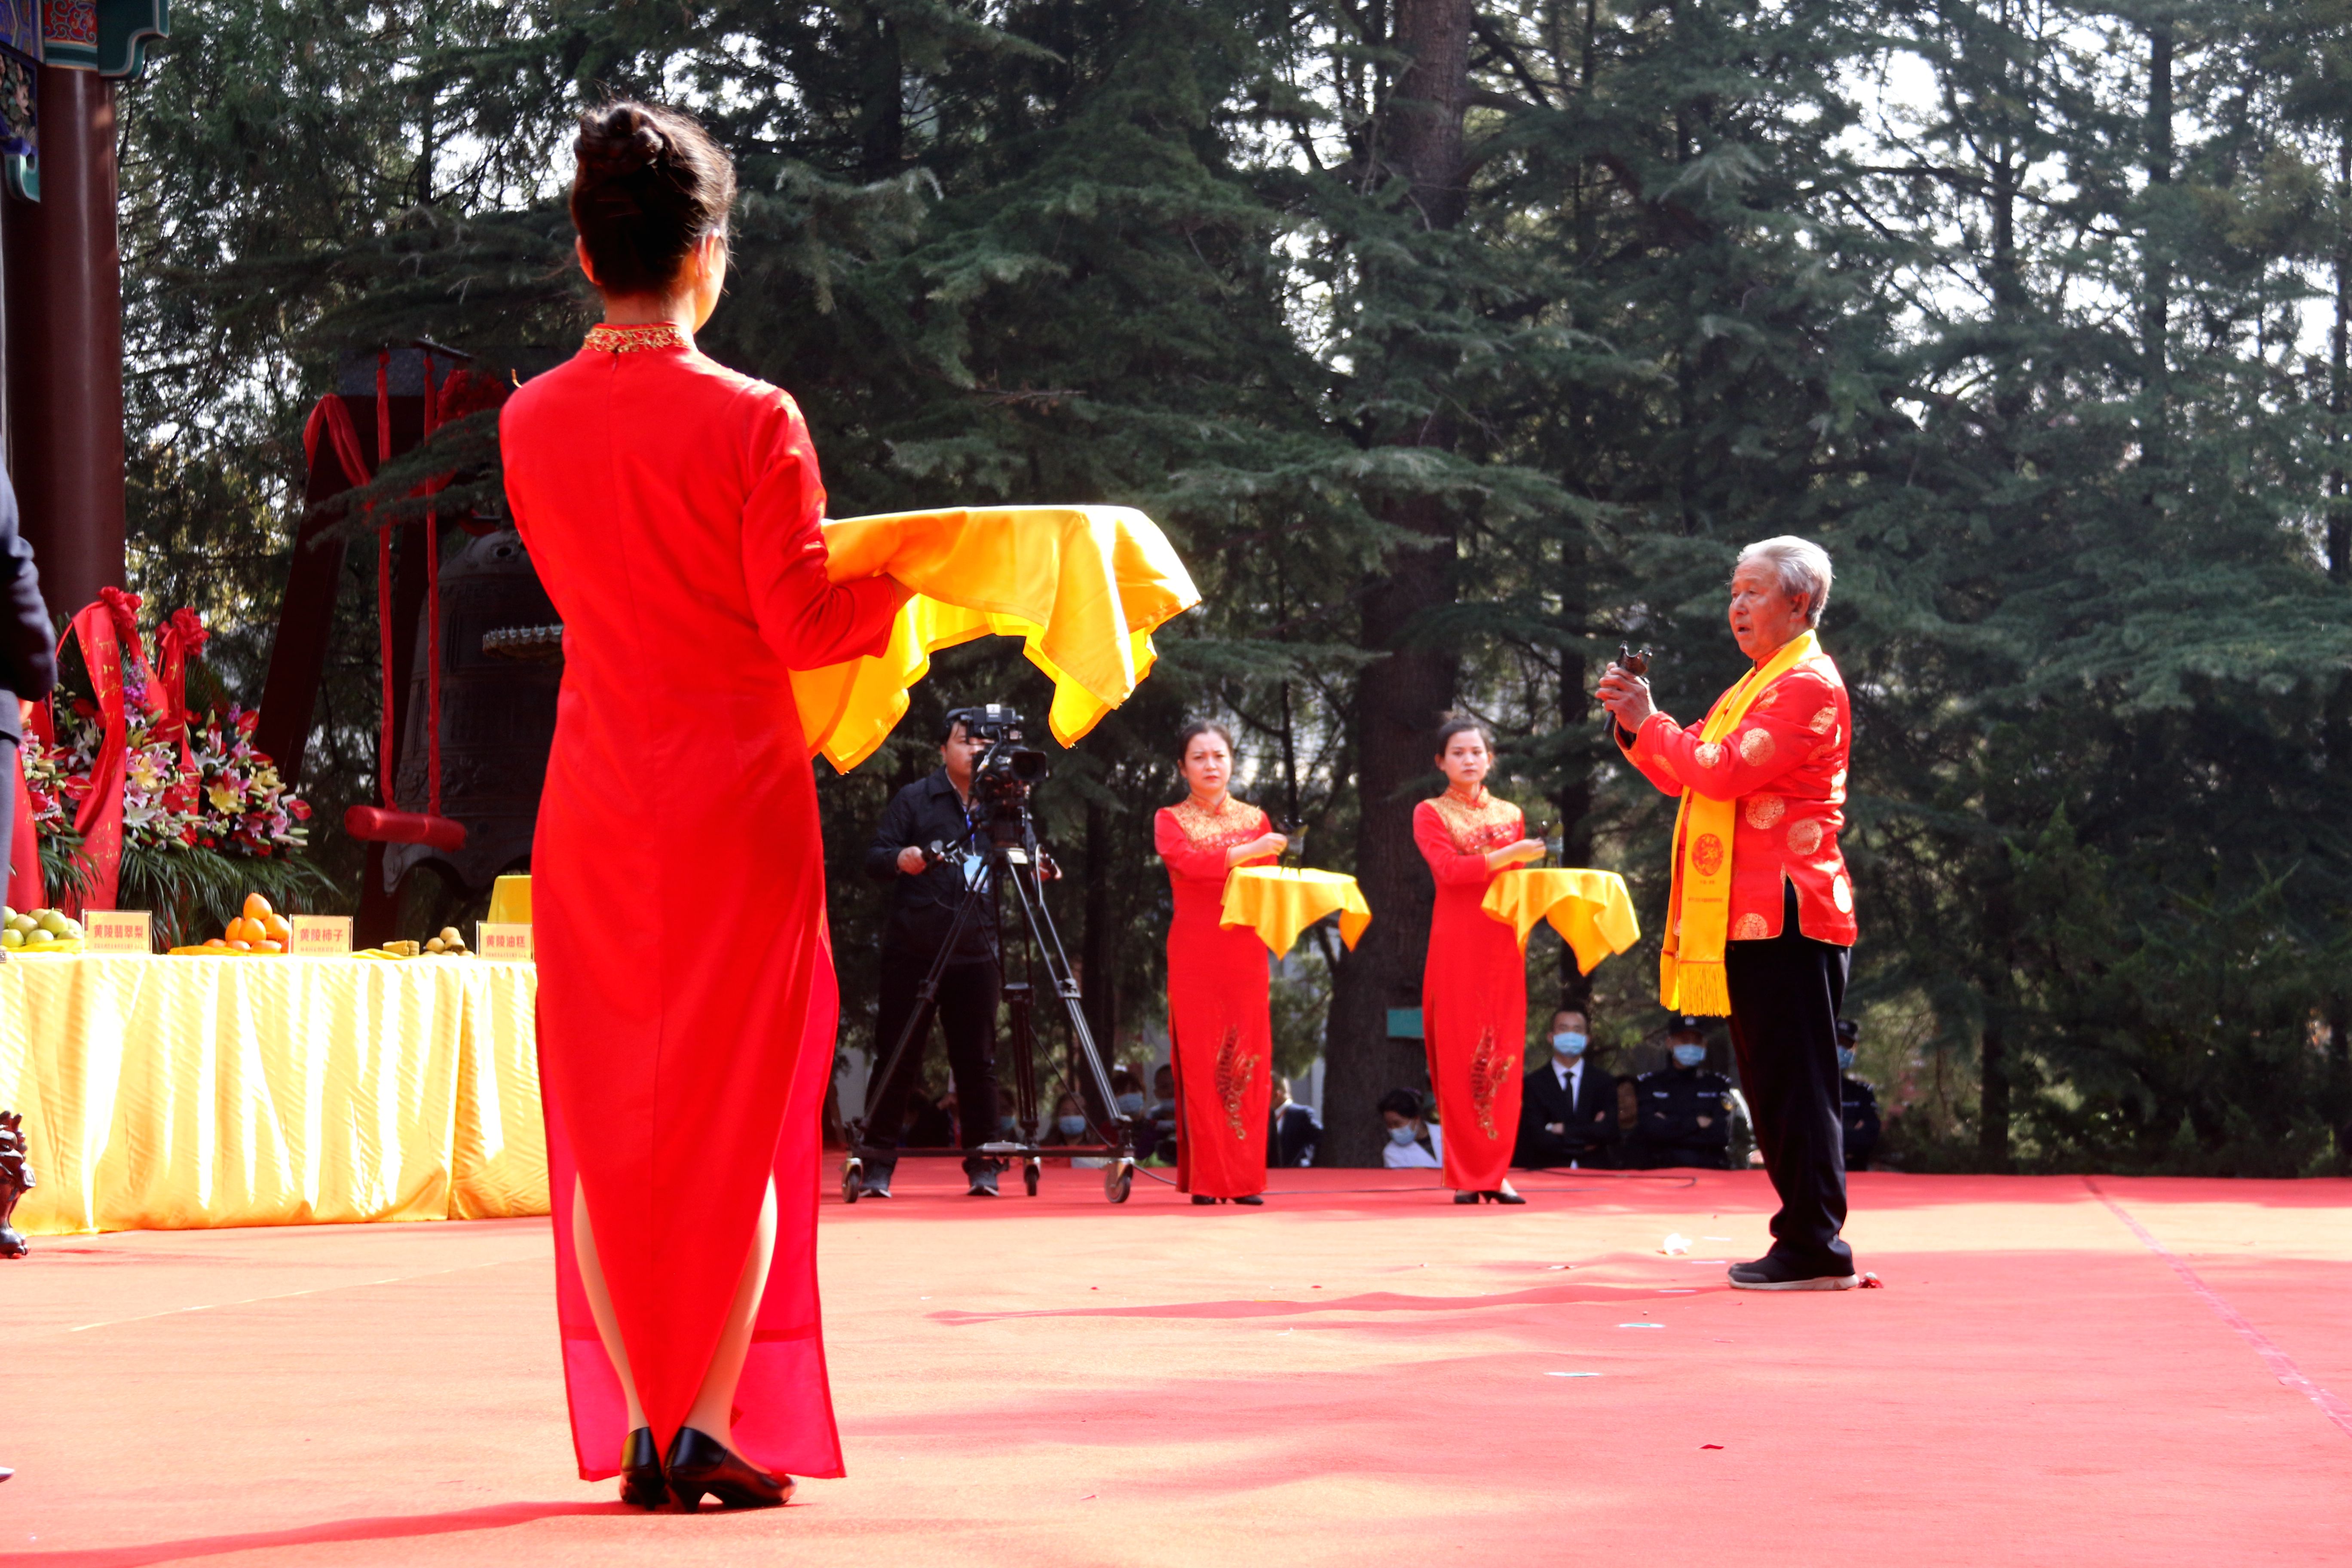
[[1472, 826], [604, 338], [1199, 822]]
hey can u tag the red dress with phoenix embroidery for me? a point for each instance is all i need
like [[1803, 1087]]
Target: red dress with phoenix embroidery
[[1474, 993], [1217, 1017], [671, 508]]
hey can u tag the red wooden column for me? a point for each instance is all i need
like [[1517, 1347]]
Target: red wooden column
[[64, 299]]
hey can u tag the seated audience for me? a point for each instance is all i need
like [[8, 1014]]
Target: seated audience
[[1416, 1144], [1567, 1108], [1686, 1109]]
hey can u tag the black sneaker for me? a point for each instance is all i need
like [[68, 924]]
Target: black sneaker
[[1772, 1273]]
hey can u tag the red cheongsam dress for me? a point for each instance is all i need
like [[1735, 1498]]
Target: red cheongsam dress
[[1217, 1015], [1474, 993], [687, 1000]]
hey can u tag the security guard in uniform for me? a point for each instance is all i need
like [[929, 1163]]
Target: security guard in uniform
[[1685, 1109], [1857, 1101]]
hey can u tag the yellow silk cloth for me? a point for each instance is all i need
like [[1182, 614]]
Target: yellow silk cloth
[[1591, 910], [1279, 901], [178, 1093], [510, 901], [1081, 586]]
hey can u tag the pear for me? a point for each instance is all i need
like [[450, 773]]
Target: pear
[[54, 921]]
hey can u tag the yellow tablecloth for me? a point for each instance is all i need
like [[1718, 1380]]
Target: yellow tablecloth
[[1591, 910], [169, 1093], [1082, 587], [1280, 901]]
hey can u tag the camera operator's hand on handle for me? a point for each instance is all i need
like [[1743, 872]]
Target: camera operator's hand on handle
[[1265, 844], [912, 860]]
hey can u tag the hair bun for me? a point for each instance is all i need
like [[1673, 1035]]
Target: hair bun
[[618, 142]]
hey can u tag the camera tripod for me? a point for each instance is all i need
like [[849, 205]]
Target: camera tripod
[[1009, 857]]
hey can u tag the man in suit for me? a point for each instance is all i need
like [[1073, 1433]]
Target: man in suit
[[1295, 1129], [1568, 1108], [1686, 1109], [1857, 1101]]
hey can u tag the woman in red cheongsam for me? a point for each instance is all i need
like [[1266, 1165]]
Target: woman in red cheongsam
[[671, 507], [1474, 994], [1216, 980]]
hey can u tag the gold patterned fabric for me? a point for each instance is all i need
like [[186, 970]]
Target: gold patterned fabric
[[1480, 825], [1234, 821], [604, 338]]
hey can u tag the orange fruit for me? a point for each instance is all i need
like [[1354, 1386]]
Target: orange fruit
[[217, 941], [237, 945], [234, 931], [266, 945], [277, 927], [257, 907]]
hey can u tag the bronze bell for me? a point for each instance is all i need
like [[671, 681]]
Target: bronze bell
[[498, 715]]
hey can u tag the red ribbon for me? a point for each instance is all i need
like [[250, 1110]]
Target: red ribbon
[[109, 631]]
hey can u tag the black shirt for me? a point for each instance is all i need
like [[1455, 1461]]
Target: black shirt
[[922, 907], [1674, 1098], [28, 665]]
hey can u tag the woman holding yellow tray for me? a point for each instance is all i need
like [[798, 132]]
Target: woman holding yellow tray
[[1474, 994], [1217, 1013]]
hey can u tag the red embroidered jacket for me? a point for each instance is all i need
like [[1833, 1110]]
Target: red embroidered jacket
[[1785, 766]]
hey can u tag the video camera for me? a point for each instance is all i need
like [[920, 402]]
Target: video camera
[[1005, 772]]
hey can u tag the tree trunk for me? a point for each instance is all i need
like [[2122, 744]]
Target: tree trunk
[[2155, 287], [1992, 1103], [1401, 697], [2338, 738], [1098, 983]]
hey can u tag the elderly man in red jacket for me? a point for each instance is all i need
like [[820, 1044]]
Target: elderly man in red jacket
[[1761, 921]]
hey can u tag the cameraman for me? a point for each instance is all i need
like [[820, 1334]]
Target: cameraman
[[923, 897]]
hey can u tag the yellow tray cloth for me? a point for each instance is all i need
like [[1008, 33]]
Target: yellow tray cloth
[[1591, 910], [1082, 587], [510, 901], [1279, 901]]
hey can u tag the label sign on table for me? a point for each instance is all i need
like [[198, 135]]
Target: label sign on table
[[495, 940], [118, 930], [319, 936]]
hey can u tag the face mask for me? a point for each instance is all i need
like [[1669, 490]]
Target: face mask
[[1070, 1126], [1130, 1105], [1845, 1058], [1689, 1055], [1568, 1043], [1402, 1137]]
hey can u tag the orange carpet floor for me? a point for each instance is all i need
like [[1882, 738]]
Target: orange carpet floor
[[2056, 1372]]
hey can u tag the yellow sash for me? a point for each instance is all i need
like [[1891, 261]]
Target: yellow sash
[[1698, 913]]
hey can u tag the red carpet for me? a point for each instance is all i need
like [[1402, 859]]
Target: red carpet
[[2057, 1372]]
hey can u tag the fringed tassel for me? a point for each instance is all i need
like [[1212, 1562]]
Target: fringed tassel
[[1702, 989]]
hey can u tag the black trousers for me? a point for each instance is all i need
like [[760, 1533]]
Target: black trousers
[[966, 1016], [1785, 996]]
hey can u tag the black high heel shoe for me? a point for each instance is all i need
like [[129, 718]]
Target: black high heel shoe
[[1203, 1202], [643, 1484], [1500, 1196], [1252, 1199], [1468, 1197], [700, 1463]]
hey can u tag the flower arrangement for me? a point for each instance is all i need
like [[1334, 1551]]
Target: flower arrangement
[[224, 794]]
